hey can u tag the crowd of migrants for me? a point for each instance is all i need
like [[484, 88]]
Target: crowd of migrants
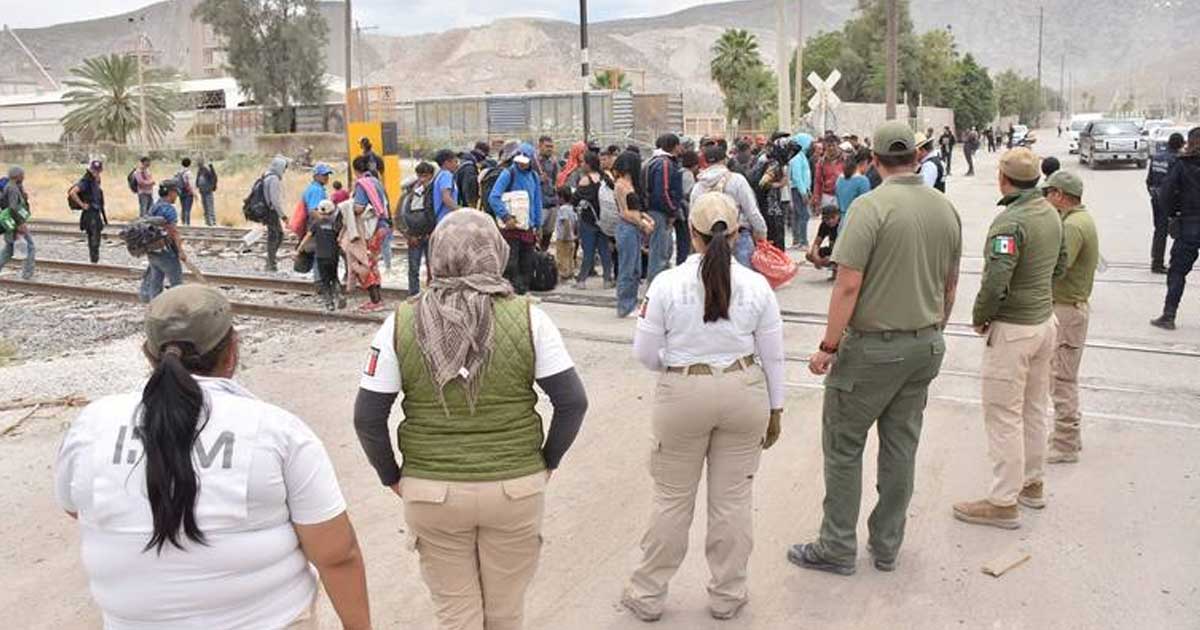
[[464, 355]]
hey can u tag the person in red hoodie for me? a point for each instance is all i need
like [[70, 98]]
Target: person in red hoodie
[[825, 174]]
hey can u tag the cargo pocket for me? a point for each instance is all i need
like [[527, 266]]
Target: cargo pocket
[[524, 487], [423, 491]]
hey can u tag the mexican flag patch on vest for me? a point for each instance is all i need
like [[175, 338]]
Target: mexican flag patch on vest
[[1004, 245]]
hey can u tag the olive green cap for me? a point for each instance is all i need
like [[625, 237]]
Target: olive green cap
[[1067, 182], [1021, 164], [894, 138], [190, 313]]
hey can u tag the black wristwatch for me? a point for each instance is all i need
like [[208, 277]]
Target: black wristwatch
[[827, 349]]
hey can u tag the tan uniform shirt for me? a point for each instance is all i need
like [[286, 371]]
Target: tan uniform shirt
[[905, 238]]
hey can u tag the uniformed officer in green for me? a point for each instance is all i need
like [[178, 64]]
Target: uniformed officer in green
[[1064, 191], [898, 263], [1015, 311]]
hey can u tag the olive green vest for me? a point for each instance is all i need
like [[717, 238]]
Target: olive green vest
[[503, 438]]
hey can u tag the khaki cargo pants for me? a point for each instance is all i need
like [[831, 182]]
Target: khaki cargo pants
[[1016, 395], [720, 419], [880, 379], [479, 544], [1072, 335]]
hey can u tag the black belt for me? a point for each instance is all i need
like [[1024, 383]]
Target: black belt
[[887, 335]]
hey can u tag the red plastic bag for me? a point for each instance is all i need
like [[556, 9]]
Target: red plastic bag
[[298, 222], [774, 264]]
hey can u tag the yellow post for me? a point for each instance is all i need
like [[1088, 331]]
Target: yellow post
[[373, 131]]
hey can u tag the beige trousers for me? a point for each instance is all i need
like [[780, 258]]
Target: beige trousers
[[564, 257], [720, 419], [1016, 396], [1072, 334], [478, 544]]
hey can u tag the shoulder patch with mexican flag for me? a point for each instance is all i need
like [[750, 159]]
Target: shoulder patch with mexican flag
[[1004, 245]]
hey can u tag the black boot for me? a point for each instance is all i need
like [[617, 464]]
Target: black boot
[[1158, 267], [1166, 321]]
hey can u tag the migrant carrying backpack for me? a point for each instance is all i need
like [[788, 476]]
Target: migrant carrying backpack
[[131, 179], [417, 212], [940, 183], [609, 215], [145, 235], [254, 206]]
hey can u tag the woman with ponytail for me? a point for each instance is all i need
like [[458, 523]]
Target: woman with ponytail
[[712, 329], [200, 505]]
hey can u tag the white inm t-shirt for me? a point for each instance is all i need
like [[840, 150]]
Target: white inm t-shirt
[[261, 469]]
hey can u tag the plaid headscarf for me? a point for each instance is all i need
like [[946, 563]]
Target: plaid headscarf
[[455, 323]]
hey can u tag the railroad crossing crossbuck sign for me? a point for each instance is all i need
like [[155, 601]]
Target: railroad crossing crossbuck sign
[[824, 101]]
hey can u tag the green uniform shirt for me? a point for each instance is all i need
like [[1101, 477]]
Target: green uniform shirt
[[1023, 254], [1083, 253], [905, 238]]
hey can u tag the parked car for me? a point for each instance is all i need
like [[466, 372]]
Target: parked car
[[1078, 122], [1155, 123], [1159, 135], [1018, 134], [1113, 141]]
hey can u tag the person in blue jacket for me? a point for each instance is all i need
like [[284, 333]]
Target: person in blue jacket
[[801, 175], [519, 231]]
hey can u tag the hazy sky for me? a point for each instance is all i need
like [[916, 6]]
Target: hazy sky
[[391, 16]]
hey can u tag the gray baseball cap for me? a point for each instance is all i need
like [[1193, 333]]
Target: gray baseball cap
[[191, 313]]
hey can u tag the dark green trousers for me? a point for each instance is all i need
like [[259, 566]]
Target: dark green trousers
[[881, 379]]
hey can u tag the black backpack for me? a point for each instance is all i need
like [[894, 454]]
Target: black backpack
[[418, 213], [487, 181], [254, 206], [145, 235], [132, 181], [545, 273]]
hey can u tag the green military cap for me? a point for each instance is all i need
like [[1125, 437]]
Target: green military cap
[[1021, 164], [1066, 182], [894, 138], [190, 313]]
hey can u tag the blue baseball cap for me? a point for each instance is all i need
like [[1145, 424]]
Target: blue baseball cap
[[322, 169]]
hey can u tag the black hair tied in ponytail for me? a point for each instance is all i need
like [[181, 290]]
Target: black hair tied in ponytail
[[171, 416], [715, 273]]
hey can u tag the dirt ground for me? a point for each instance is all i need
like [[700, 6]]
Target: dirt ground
[[1118, 546]]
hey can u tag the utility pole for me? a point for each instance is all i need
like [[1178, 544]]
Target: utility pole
[[1040, 97], [781, 67], [137, 50], [798, 80], [364, 97], [890, 91], [1062, 97], [583, 67], [348, 20]]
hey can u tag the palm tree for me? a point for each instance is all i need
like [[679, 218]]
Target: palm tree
[[604, 81], [734, 53], [105, 99]]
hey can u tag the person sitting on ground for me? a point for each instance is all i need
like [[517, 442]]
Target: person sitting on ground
[[466, 354], [820, 254], [198, 504]]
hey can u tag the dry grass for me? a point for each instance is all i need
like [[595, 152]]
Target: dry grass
[[47, 186]]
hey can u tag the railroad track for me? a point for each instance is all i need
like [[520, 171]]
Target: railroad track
[[591, 300], [219, 237]]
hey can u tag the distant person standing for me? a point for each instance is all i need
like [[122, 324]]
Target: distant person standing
[[187, 190], [143, 183], [445, 191], [970, 146], [662, 179], [521, 226], [1072, 291], [1179, 195], [990, 136], [800, 174], [206, 185], [1014, 310], [1160, 165], [374, 162], [14, 221], [276, 214], [1011, 133], [931, 168], [546, 166], [88, 197], [898, 262], [946, 144], [717, 177], [466, 178]]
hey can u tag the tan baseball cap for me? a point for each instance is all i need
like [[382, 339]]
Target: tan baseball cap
[[894, 138], [1021, 164], [922, 140], [190, 313], [713, 208], [1065, 181]]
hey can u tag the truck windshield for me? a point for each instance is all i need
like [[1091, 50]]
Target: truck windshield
[[1115, 129]]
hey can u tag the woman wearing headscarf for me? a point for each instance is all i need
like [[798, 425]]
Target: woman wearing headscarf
[[712, 329], [568, 175], [466, 354], [199, 505]]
